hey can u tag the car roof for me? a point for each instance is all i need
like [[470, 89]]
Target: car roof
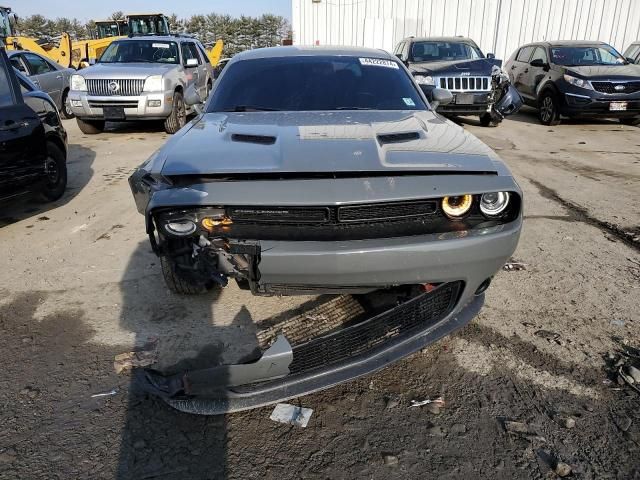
[[312, 50], [441, 39], [566, 43]]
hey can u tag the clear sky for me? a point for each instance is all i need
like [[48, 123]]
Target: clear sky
[[98, 9]]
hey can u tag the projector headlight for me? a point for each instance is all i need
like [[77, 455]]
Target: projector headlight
[[578, 82], [494, 203], [78, 83], [456, 207]]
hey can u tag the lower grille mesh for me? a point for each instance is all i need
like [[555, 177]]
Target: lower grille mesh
[[415, 314]]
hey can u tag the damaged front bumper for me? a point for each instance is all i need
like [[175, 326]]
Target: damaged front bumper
[[286, 371]]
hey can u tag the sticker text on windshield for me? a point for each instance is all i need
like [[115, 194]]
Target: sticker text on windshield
[[378, 62]]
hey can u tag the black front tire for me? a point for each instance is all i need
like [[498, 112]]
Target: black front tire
[[548, 109], [90, 127], [487, 121], [632, 121], [56, 174], [66, 111], [178, 117], [178, 284]]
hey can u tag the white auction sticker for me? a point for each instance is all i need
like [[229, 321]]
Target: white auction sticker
[[378, 62], [160, 45], [409, 102]]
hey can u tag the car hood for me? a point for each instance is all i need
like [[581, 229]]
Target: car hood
[[125, 70], [606, 72], [306, 142], [481, 66]]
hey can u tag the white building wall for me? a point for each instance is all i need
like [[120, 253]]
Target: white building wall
[[498, 26]]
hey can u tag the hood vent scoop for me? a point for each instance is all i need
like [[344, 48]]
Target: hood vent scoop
[[260, 139], [398, 137]]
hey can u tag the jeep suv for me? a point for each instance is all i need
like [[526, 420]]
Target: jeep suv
[[141, 78]]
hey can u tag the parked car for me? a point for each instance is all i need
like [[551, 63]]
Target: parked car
[[576, 79], [141, 78], [632, 53], [478, 84], [48, 76], [318, 170], [33, 142]]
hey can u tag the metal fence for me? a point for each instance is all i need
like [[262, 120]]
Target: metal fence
[[498, 26]]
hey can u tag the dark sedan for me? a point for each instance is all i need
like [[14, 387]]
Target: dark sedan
[[33, 142], [576, 79]]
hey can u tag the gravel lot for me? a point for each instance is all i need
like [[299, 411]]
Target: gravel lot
[[79, 285]]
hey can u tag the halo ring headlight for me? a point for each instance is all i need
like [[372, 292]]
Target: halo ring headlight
[[456, 206], [180, 227], [494, 203]]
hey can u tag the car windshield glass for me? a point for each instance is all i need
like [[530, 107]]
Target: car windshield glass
[[145, 51], [437, 51], [586, 55], [305, 83], [6, 97]]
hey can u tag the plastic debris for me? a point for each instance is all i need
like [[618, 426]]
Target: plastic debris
[[514, 266], [439, 402], [143, 357], [105, 394], [292, 415]]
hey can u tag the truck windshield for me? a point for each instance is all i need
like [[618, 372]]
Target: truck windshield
[[306, 83], [108, 30], [586, 55], [443, 51], [145, 51]]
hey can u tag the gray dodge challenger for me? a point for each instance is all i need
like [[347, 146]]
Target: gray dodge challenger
[[325, 171]]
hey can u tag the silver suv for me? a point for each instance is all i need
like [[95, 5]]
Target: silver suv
[[141, 78]]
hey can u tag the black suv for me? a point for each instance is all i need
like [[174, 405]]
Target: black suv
[[576, 79], [33, 142], [456, 64]]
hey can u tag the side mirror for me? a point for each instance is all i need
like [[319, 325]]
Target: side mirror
[[192, 98], [440, 96], [192, 62], [491, 55], [537, 62]]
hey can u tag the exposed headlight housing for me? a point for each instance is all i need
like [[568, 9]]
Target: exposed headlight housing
[[153, 83], [456, 207], [425, 80], [493, 204], [182, 228], [578, 82], [78, 83]]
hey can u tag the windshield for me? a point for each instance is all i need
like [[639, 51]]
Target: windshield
[[148, 25], [437, 51], [586, 55], [145, 51], [307, 83], [109, 30]]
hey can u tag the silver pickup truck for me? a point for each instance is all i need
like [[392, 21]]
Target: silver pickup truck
[[141, 78]]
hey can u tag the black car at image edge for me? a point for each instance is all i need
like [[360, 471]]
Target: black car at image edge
[[33, 142], [576, 79]]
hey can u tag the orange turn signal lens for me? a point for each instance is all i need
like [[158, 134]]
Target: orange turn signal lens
[[211, 223]]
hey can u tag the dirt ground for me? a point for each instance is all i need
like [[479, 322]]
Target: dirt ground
[[79, 285]]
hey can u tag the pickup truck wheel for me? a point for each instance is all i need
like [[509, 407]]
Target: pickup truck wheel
[[487, 121], [176, 283], [548, 111], [66, 106], [90, 127], [178, 117], [633, 121], [56, 174]]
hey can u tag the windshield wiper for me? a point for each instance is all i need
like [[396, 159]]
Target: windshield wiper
[[250, 108], [353, 108]]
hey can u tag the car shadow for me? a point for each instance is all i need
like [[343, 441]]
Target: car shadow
[[79, 172]]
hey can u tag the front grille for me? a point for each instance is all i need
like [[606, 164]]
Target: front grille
[[113, 103], [465, 84], [366, 337], [279, 214], [386, 211], [128, 87], [610, 87]]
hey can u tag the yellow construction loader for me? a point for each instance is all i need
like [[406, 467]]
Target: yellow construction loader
[[60, 53]]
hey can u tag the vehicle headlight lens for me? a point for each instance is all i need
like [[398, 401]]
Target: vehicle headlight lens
[[456, 207], [494, 203], [181, 227], [425, 80], [78, 83], [578, 82], [153, 84]]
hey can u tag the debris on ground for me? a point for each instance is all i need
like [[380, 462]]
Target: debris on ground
[[562, 469], [458, 428], [287, 413], [625, 367], [439, 402], [516, 427], [547, 334], [389, 459], [392, 402], [568, 422], [30, 392], [514, 266], [143, 357], [105, 394]]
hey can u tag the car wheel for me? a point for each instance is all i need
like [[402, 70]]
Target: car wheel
[[66, 106], [633, 121], [178, 284], [487, 121], [548, 109], [56, 174], [178, 117], [90, 127]]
